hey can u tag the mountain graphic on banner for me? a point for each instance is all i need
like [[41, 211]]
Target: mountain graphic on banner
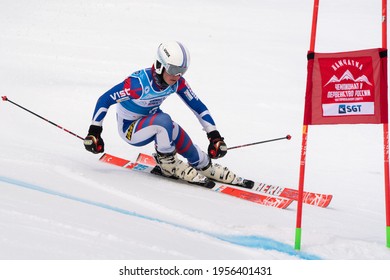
[[348, 76]]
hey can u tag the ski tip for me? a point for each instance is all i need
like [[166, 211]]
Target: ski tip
[[287, 204], [327, 201], [320, 200]]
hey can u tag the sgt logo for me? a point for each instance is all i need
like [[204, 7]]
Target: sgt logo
[[345, 109], [130, 130]]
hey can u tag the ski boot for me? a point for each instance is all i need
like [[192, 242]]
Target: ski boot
[[222, 174], [169, 165]]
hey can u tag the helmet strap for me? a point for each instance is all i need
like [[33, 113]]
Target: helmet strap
[[158, 78]]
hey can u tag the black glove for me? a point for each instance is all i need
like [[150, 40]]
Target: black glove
[[217, 147], [93, 142]]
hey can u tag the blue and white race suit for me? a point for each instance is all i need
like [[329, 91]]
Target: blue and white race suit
[[141, 121]]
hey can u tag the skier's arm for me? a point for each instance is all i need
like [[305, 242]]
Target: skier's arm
[[104, 102], [93, 141], [196, 105], [217, 147]]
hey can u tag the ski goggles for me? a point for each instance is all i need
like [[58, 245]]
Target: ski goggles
[[175, 70]]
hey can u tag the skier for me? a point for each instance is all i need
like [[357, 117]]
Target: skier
[[141, 121]]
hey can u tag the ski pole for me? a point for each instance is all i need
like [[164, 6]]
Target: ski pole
[[288, 137], [5, 98], [60, 127]]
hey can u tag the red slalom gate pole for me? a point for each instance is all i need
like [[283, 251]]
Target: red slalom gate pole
[[305, 131], [5, 98], [386, 135]]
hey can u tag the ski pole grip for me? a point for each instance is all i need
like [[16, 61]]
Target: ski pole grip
[[4, 98]]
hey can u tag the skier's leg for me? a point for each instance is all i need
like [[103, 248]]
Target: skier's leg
[[159, 128], [199, 159]]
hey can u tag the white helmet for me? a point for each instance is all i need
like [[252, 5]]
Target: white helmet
[[174, 57]]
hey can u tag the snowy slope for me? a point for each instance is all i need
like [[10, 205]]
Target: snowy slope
[[248, 65]]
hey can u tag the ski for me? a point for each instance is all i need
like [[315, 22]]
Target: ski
[[147, 164], [311, 198]]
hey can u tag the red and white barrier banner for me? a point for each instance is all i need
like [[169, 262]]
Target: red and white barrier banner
[[347, 87]]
